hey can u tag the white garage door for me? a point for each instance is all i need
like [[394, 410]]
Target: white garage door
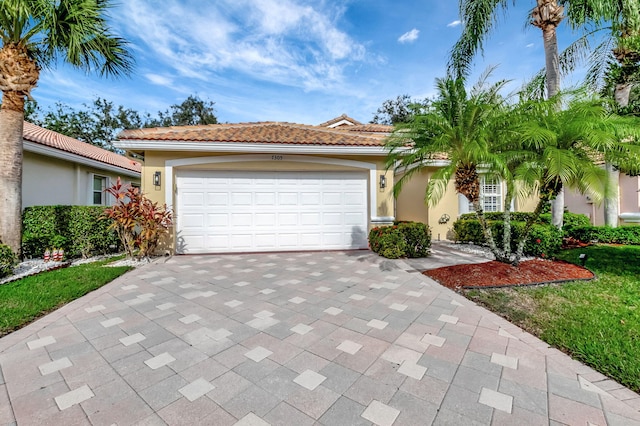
[[270, 211]]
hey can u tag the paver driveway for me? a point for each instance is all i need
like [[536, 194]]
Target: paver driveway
[[332, 338]]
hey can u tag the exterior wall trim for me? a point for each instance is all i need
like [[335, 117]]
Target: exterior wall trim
[[243, 147], [371, 167]]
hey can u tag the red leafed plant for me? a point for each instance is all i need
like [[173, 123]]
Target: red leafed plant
[[139, 222]]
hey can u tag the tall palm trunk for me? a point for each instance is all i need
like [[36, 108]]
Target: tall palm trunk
[[547, 15], [11, 126]]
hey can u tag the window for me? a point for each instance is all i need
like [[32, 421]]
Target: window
[[99, 185], [490, 194]]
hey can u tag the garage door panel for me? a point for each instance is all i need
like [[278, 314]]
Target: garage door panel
[[265, 219], [271, 211]]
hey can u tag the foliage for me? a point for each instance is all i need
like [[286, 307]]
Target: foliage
[[404, 239], [8, 260], [25, 300], [570, 219], [97, 123], [140, 223], [402, 109], [568, 316], [191, 111], [542, 240], [76, 229], [606, 234]]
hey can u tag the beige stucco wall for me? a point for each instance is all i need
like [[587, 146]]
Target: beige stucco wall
[[51, 181], [158, 160], [411, 205], [629, 200]]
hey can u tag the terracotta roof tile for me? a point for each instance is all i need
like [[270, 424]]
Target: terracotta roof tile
[[264, 132], [56, 140]]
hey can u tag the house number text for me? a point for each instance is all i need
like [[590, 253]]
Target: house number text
[[277, 157]]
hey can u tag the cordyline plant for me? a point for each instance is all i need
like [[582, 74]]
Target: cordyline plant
[[139, 222]]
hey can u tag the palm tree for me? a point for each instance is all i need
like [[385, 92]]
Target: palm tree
[[457, 126], [36, 34], [478, 19], [622, 20]]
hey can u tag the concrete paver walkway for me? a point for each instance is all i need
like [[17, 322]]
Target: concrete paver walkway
[[332, 338]]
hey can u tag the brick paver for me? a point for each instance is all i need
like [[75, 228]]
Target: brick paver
[[292, 338]]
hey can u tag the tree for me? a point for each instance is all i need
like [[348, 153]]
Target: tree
[[398, 110], [97, 124], [478, 19], [458, 125], [35, 35], [191, 111], [621, 51]]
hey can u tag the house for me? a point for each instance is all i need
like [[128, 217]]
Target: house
[[628, 203], [59, 170], [267, 186]]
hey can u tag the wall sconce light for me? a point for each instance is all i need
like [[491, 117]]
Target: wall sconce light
[[156, 178], [383, 182]]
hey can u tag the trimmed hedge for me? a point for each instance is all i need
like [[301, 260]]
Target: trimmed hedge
[[7, 260], [605, 234], [544, 240], [569, 219], [80, 230], [403, 239]]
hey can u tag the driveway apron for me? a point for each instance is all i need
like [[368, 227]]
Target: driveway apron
[[325, 338]]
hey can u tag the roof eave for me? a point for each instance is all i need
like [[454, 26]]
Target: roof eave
[[38, 148], [245, 147]]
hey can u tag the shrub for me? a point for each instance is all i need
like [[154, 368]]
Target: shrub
[[7, 260], [417, 237], [405, 239], [543, 239], [76, 229], [139, 222], [605, 234]]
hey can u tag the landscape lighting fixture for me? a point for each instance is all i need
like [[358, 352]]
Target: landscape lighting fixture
[[383, 182], [156, 178], [583, 259]]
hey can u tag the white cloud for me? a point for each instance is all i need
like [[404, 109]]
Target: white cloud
[[454, 23], [530, 45], [290, 42], [160, 80], [409, 36]]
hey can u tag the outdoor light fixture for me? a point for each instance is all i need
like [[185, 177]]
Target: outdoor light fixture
[[383, 182], [583, 259], [156, 178]]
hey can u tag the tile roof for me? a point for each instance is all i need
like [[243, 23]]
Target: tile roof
[[64, 143], [263, 133]]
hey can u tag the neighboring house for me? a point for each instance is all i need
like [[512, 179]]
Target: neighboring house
[[59, 170], [267, 186], [628, 202]]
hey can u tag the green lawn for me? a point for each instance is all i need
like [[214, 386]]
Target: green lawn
[[597, 322], [27, 299]]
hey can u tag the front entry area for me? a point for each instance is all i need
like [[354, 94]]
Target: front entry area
[[241, 211]]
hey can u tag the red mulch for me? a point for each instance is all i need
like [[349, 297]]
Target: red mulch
[[498, 274]]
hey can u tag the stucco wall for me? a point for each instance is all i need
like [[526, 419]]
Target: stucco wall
[[51, 181], [157, 161]]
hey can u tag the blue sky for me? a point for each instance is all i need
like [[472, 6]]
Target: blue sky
[[291, 60]]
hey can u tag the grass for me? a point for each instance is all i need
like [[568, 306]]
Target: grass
[[25, 300], [596, 322]]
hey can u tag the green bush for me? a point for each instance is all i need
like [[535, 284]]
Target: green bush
[[605, 234], [7, 260], [543, 239], [79, 230], [418, 238], [404, 239]]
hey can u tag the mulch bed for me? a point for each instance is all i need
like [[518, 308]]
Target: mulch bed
[[498, 274]]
